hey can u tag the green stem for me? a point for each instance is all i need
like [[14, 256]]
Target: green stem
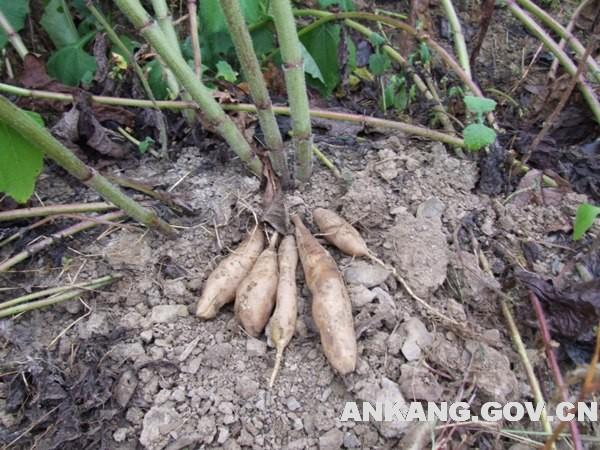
[[13, 37], [326, 162], [258, 89], [177, 105], [116, 40], [193, 20], [459, 39], [565, 61], [54, 290], [293, 67], [212, 111], [68, 295], [40, 211], [48, 241], [564, 34], [39, 137]]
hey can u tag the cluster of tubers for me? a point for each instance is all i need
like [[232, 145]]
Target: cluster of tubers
[[261, 281]]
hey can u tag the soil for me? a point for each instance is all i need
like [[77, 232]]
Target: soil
[[129, 366]]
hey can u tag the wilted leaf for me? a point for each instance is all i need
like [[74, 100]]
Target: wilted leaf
[[58, 23], [572, 312], [20, 162], [15, 12]]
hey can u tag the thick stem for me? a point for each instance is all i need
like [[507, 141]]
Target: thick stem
[[48, 241], [27, 213], [242, 41], [293, 67], [177, 105], [116, 40], [211, 110], [564, 34], [42, 139], [193, 18], [13, 37], [565, 61], [459, 39]]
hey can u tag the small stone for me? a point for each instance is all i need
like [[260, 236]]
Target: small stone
[[417, 338], [246, 387], [231, 445], [120, 434], [178, 395], [193, 366], [298, 444], [134, 415], [97, 324], [124, 351], [351, 441], [162, 397], [168, 313], [386, 391], [360, 295], [207, 428], [125, 387], [255, 347], [369, 275], [223, 435], [245, 439], [216, 354], [332, 440], [175, 289], [418, 383], [293, 404], [159, 421]]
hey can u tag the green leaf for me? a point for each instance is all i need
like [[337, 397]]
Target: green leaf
[[323, 44], [310, 66], [144, 145], [376, 39], [58, 23], [345, 5], [71, 65], [479, 105], [424, 53], [129, 43], [477, 136], [455, 91], [156, 79], [351, 46], [15, 12], [584, 219], [379, 63], [20, 163], [226, 72]]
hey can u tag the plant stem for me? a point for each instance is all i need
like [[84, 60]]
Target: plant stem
[[533, 381], [52, 291], [13, 36], [68, 295], [26, 213], [48, 241], [293, 68], [212, 111], [459, 38], [563, 42], [242, 41], [564, 34], [326, 162], [283, 110], [565, 61], [39, 137], [193, 18], [116, 40]]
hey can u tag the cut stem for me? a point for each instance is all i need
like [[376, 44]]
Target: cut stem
[[212, 111], [13, 37], [293, 68], [68, 295], [460, 47], [242, 41], [48, 241], [41, 138], [41, 211], [565, 61], [284, 110], [116, 40], [565, 35]]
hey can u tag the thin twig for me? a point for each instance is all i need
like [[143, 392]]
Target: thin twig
[[41, 211], [193, 16], [13, 36], [553, 363]]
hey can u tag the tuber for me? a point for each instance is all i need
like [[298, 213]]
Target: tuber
[[331, 308], [222, 283], [255, 295], [340, 233], [283, 322]]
